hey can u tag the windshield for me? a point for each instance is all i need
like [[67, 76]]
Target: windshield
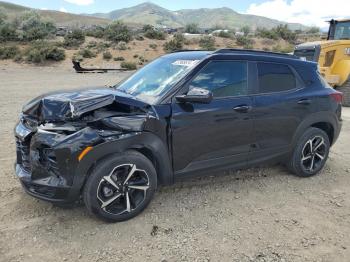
[[155, 79], [342, 30]]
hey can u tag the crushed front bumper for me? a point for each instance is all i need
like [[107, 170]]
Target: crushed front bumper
[[46, 162], [46, 189]]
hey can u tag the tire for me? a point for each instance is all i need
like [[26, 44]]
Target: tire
[[120, 187], [309, 158], [345, 89]]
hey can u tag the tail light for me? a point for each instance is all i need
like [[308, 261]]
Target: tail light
[[337, 96]]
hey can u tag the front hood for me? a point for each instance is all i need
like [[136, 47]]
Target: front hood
[[67, 106]]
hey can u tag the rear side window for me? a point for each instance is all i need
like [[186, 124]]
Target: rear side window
[[275, 78], [223, 78]]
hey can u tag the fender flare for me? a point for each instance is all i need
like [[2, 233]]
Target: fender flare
[[131, 141], [319, 117]]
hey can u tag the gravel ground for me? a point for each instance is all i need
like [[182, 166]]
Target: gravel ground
[[261, 214]]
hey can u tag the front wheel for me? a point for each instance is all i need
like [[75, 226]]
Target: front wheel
[[310, 153], [120, 187]]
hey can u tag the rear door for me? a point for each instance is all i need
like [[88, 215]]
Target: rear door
[[217, 134], [280, 104]]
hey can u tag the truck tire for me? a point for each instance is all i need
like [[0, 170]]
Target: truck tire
[[345, 89]]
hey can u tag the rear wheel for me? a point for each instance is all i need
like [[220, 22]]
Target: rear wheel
[[310, 153], [120, 187], [345, 89]]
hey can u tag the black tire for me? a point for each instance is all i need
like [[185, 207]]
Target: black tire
[[98, 191], [312, 163], [345, 89]]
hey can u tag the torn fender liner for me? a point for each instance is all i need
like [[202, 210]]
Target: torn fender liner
[[68, 105]]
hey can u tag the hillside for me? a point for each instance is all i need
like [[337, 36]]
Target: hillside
[[60, 18], [148, 13]]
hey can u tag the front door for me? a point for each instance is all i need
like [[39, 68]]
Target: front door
[[218, 134]]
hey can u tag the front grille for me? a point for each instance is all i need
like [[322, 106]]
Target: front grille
[[49, 161], [23, 154]]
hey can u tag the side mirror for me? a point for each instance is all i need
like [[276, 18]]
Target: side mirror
[[196, 95]]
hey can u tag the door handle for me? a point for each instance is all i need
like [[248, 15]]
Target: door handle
[[305, 101], [242, 108]]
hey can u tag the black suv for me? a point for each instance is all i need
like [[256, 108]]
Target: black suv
[[186, 113]]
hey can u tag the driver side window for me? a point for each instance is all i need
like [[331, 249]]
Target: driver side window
[[223, 78]]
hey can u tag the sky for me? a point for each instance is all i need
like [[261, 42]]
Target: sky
[[308, 12]]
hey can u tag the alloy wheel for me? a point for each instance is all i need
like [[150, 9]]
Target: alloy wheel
[[313, 154], [123, 190]]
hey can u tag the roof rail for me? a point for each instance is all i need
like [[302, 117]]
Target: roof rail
[[252, 51]]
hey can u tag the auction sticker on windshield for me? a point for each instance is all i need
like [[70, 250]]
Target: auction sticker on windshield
[[188, 63]]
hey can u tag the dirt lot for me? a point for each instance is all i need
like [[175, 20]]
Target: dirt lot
[[255, 215]]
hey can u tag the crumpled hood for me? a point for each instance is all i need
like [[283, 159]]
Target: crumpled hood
[[63, 106]]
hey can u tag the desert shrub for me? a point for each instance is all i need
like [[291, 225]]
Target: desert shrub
[[75, 38], [244, 41], [139, 38], [285, 33], [281, 31], [172, 45], [266, 33], [18, 58], [192, 28], [33, 27], [313, 30], [39, 52], [8, 32], [224, 34], [147, 27], [117, 32], [3, 15], [87, 53], [107, 55], [207, 43], [119, 58], [142, 60], [152, 33], [285, 49], [78, 57], [128, 65], [245, 30], [8, 52], [97, 32], [268, 42], [122, 46], [153, 46], [92, 44]]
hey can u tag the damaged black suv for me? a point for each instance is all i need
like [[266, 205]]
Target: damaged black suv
[[185, 113]]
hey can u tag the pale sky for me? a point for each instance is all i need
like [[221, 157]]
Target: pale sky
[[308, 12]]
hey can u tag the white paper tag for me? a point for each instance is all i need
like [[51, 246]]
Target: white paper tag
[[188, 63]]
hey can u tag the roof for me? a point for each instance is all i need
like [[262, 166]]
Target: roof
[[189, 54], [248, 54]]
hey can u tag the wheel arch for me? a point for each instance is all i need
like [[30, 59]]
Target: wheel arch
[[147, 144], [325, 121]]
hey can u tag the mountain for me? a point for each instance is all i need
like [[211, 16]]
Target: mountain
[[146, 13], [149, 13], [60, 18]]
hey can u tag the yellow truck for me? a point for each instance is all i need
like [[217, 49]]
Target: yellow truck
[[332, 56]]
